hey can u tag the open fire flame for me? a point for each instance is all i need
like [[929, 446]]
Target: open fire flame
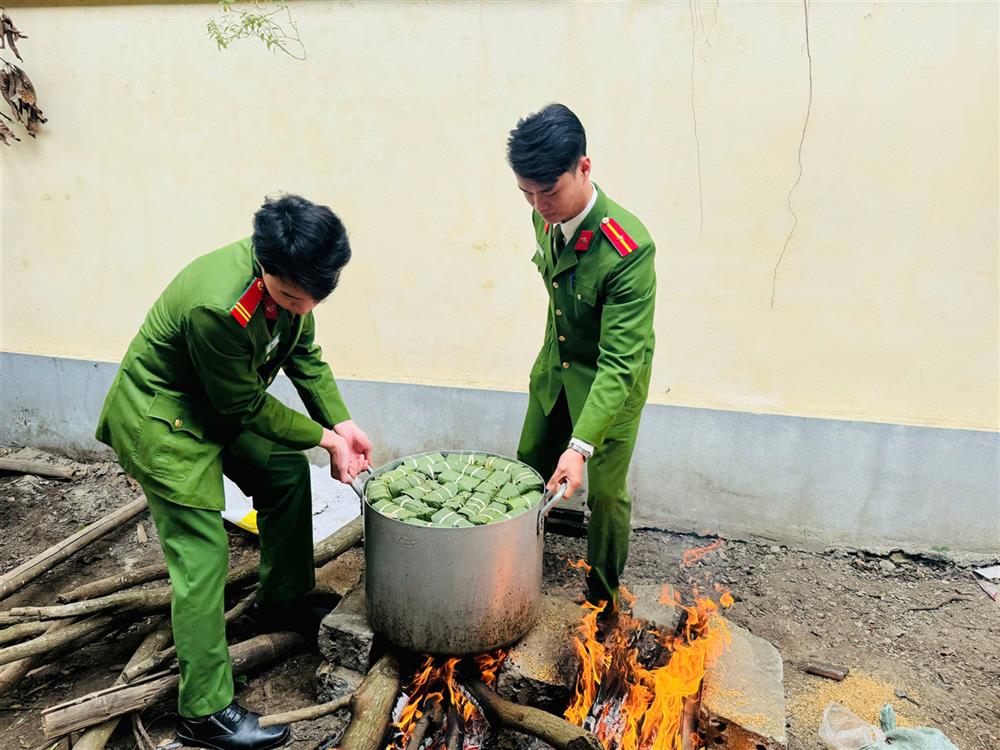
[[630, 705], [636, 689], [435, 695]]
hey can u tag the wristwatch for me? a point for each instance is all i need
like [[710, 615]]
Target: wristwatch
[[584, 449]]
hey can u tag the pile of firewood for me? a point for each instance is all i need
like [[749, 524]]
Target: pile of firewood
[[33, 636]]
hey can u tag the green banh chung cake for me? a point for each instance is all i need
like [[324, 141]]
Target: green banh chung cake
[[454, 490]]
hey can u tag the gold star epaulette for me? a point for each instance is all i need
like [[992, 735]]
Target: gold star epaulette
[[624, 244], [245, 306]]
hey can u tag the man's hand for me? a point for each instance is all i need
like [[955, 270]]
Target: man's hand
[[358, 442], [570, 470], [342, 460]]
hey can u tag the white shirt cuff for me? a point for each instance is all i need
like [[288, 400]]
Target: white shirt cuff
[[585, 448]]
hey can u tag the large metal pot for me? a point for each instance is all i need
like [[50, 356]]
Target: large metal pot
[[453, 591]]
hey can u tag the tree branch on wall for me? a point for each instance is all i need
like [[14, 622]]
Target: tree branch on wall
[[15, 86], [272, 23]]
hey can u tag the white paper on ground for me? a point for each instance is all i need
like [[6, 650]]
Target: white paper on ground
[[333, 504]]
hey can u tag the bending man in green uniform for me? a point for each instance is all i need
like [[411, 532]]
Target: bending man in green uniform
[[190, 404], [591, 377]]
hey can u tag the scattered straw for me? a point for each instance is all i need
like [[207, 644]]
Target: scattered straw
[[861, 693]]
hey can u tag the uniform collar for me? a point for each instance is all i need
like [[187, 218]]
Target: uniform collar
[[569, 227], [590, 222]]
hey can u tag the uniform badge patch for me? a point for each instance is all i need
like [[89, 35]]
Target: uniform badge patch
[[245, 306], [583, 241], [624, 244]]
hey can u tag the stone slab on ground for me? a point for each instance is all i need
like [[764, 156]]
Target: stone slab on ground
[[334, 682], [345, 638], [540, 670], [743, 696], [342, 573], [649, 607]]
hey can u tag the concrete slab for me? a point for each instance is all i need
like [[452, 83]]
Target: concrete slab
[[743, 697], [649, 607], [345, 639], [541, 668]]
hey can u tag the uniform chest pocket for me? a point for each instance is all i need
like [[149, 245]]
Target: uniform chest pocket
[[585, 297], [169, 442]]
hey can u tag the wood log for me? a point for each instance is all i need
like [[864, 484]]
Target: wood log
[[373, 704], [158, 598], [455, 738], [556, 731], [24, 630], [159, 658], [13, 673], [340, 541], [15, 465], [308, 713], [56, 638], [110, 585], [96, 738], [431, 718], [44, 561], [143, 601], [95, 708]]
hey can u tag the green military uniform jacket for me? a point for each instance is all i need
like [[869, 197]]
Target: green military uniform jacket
[[194, 381], [599, 338]]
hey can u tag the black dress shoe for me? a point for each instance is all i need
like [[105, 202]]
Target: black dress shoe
[[232, 728]]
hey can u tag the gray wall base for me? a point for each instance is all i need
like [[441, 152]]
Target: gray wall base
[[790, 479]]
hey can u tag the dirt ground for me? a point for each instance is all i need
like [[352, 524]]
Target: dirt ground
[[915, 632]]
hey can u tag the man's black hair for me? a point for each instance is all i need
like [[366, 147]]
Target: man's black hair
[[545, 144], [302, 243]]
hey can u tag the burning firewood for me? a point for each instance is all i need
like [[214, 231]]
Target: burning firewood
[[541, 724]]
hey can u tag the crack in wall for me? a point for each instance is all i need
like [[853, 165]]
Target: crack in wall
[[802, 139]]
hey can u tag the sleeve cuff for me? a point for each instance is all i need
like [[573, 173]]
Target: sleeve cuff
[[582, 447]]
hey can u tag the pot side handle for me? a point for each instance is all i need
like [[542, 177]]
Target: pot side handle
[[359, 487], [548, 503]]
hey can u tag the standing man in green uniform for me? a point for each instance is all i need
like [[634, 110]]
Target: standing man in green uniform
[[591, 377], [190, 404]]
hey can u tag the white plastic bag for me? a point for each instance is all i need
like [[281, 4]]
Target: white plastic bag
[[841, 729]]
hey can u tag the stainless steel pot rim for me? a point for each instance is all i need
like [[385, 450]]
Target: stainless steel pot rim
[[361, 488]]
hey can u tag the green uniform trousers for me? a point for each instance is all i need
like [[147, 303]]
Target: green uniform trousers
[[196, 550], [543, 439]]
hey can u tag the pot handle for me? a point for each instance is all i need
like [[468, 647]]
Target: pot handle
[[548, 504], [358, 487]]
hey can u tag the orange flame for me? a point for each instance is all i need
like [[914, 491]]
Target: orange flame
[[693, 555], [633, 707], [435, 683]]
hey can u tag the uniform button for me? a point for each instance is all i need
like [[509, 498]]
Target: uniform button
[[558, 311], [260, 284], [604, 220], [562, 338], [555, 284], [178, 422], [565, 365], [579, 296]]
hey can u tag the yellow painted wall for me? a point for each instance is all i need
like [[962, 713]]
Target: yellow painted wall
[[159, 148]]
